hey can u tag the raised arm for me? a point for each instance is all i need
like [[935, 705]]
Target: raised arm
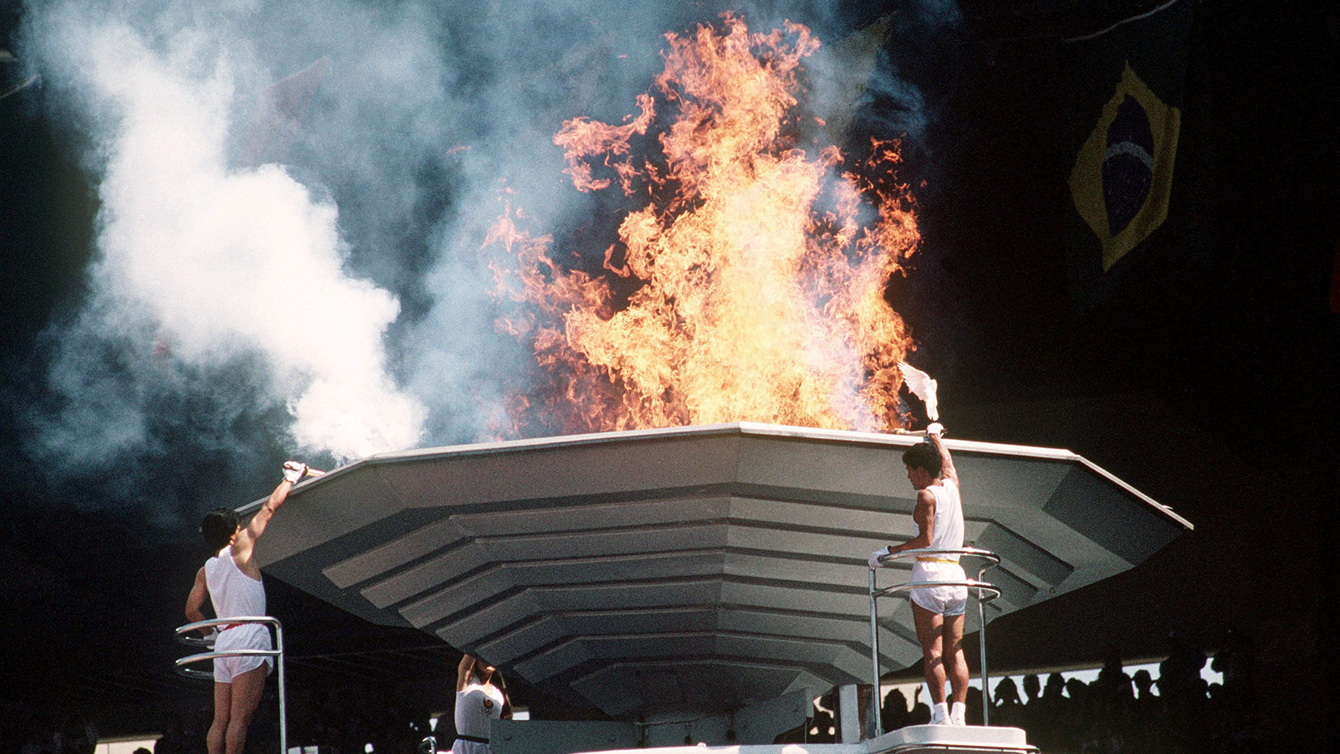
[[947, 470], [463, 672], [246, 539]]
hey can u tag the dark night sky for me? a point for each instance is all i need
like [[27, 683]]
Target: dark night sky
[[1203, 376]]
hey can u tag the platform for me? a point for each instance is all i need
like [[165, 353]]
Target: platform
[[701, 569], [914, 739]]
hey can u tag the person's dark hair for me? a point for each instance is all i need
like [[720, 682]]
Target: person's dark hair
[[219, 526], [924, 456]]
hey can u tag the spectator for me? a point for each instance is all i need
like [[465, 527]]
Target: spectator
[[973, 713], [921, 712], [1005, 704], [894, 714], [1032, 688], [822, 732]]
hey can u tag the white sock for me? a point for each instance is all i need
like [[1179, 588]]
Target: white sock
[[958, 714], [939, 713]]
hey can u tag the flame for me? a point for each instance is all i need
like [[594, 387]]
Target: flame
[[757, 270]]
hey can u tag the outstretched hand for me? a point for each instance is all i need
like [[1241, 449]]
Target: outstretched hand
[[294, 470]]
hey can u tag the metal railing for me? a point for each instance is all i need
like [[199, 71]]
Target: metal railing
[[183, 636], [985, 593]]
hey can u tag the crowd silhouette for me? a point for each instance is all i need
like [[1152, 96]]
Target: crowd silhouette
[[1118, 713]]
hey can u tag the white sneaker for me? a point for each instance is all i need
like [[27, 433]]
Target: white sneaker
[[940, 714], [958, 714]]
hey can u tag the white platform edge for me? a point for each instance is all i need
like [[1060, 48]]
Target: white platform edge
[[942, 737]]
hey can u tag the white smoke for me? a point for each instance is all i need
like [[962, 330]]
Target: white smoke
[[225, 263], [337, 294]]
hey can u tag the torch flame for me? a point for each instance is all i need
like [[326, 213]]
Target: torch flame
[[761, 269]]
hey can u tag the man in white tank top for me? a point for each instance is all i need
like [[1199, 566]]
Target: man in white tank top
[[232, 582], [481, 697], [937, 611]]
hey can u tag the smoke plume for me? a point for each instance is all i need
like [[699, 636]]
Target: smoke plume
[[292, 199]]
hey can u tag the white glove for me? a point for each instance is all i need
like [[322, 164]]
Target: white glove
[[935, 428], [294, 470], [875, 556]]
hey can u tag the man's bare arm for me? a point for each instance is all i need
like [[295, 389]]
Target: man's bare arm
[[924, 515], [246, 539], [947, 470], [463, 671], [196, 599]]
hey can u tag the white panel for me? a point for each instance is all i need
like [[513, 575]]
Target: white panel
[[393, 554], [738, 550], [619, 568], [616, 542], [505, 649], [425, 576], [548, 520], [893, 520]]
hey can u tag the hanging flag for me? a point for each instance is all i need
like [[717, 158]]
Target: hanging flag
[[1123, 174], [1128, 84]]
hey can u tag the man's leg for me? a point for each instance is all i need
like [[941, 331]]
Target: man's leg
[[929, 633], [247, 689], [223, 705], [955, 662]]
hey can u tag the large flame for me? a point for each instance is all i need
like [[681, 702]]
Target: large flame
[[760, 269]]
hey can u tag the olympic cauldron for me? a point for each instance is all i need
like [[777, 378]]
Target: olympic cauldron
[[694, 568]]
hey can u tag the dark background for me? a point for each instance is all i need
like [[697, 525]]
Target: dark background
[[1203, 374]]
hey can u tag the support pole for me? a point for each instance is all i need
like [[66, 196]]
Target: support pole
[[874, 659], [283, 710], [981, 648]]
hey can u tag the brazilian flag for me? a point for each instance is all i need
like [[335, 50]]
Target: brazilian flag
[[1123, 173], [1129, 82]]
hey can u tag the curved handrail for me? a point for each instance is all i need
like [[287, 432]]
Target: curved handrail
[[981, 586], [984, 591], [184, 637], [992, 559]]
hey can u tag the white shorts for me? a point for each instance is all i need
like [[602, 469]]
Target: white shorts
[[461, 746], [250, 636], [945, 600]]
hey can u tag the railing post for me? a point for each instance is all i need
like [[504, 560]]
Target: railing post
[[874, 658], [283, 711], [981, 646]]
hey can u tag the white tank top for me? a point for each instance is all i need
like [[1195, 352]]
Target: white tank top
[[473, 713], [948, 534], [233, 593]]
